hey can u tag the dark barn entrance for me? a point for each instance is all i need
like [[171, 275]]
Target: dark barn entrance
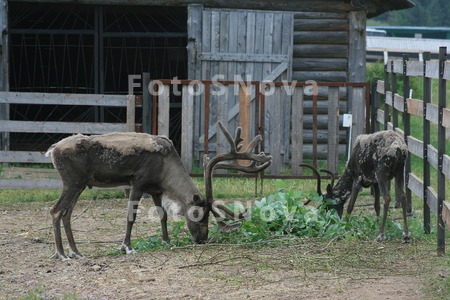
[[89, 49]]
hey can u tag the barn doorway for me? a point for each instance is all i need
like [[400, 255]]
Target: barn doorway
[[89, 49]]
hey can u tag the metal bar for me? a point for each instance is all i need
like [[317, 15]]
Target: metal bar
[[394, 91], [426, 142], [407, 129], [441, 151]]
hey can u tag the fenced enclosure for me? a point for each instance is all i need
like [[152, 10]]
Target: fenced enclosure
[[396, 114], [299, 121]]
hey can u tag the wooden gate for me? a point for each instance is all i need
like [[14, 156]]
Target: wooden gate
[[239, 46]]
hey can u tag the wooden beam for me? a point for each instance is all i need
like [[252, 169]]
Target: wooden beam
[[63, 99], [61, 127]]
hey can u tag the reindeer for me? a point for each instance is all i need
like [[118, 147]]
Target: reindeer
[[149, 164], [375, 160]]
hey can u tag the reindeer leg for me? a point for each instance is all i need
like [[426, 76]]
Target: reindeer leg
[[376, 205], [399, 181], [133, 203], [384, 188], [355, 191], [73, 251], [60, 210], [163, 216]]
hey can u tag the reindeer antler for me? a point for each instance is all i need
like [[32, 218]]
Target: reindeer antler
[[230, 160]]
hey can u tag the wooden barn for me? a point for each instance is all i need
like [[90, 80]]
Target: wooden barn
[[118, 47]]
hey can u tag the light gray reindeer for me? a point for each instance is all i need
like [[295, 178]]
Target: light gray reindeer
[[149, 164], [374, 161]]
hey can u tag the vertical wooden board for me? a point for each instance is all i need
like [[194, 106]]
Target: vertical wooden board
[[207, 40], [250, 43], [131, 113], [357, 46], [232, 43], [222, 145], [333, 129], [297, 130], [268, 41], [286, 124], [163, 111], [224, 41], [194, 40], [244, 115], [288, 41], [275, 131], [187, 127], [358, 103], [259, 45]]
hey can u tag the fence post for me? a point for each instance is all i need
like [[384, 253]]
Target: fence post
[[407, 129], [374, 104], [131, 113], [386, 89], [426, 142], [394, 91], [441, 151]]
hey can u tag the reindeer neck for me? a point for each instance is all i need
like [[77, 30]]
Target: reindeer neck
[[343, 187]]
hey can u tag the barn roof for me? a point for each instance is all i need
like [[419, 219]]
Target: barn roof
[[373, 7], [377, 7]]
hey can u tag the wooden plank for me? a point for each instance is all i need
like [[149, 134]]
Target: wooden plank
[[194, 39], [414, 68], [380, 116], [432, 154], [321, 37], [432, 69], [333, 130], [187, 126], [415, 185], [446, 213], [380, 87], [332, 76], [297, 130], [244, 114], [446, 117], [432, 200], [415, 146], [163, 111], [399, 102], [390, 126], [358, 109], [274, 112], [320, 51], [446, 165], [321, 15], [447, 70], [61, 127], [432, 113], [24, 157], [415, 107], [319, 64], [388, 98], [239, 57], [27, 184], [318, 24], [63, 99], [398, 66], [131, 113]]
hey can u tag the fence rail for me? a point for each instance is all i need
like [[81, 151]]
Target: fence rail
[[398, 103], [10, 126]]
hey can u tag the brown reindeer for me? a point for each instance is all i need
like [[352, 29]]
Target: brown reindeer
[[149, 164], [374, 161]]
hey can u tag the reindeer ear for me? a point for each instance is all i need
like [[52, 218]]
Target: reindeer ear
[[197, 199]]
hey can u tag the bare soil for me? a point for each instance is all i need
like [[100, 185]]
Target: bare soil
[[305, 269]]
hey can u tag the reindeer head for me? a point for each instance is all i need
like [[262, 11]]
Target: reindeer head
[[232, 160], [331, 197]]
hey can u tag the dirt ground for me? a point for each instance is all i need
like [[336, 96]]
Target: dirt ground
[[304, 270]]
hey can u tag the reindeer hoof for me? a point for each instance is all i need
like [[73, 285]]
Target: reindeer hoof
[[381, 237], [75, 255], [127, 249], [406, 237], [61, 256]]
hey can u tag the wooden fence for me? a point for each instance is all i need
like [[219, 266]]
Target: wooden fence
[[298, 120], [398, 104], [8, 126]]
